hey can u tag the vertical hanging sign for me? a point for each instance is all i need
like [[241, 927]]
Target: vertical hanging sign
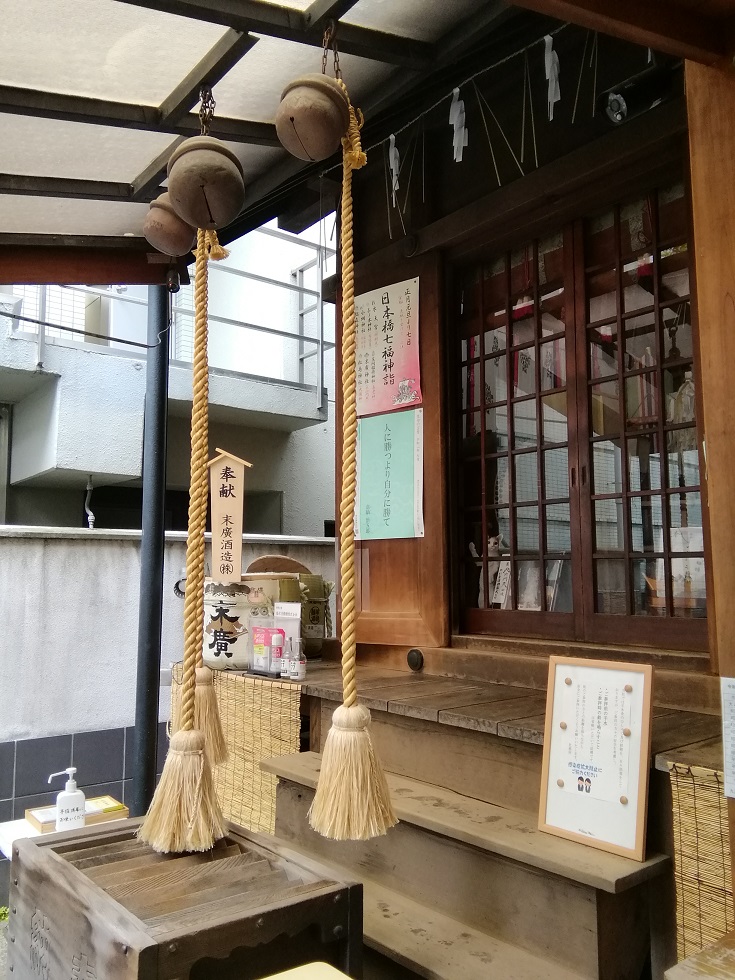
[[227, 494], [387, 348]]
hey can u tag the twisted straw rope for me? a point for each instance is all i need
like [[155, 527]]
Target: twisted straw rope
[[194, 590], [353, 158]]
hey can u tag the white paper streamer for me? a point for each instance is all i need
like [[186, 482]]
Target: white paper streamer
[[394, 162], [551, 62], [457, 119]]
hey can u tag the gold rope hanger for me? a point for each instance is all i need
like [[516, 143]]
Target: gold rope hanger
[[352, 800]]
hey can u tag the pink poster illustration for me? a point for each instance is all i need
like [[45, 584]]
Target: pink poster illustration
[[387, 349]]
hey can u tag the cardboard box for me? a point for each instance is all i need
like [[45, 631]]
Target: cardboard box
[[96, 810]]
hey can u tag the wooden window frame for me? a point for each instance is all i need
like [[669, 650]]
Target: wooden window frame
[[583, 625]]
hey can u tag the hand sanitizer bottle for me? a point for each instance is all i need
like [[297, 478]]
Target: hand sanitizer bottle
[[298, 662], [70, 803]]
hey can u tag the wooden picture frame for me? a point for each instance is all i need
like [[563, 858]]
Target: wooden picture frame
[[597, 753]]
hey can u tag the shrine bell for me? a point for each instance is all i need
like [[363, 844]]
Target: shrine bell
[[165, 230], [205, 182], [312, 117]]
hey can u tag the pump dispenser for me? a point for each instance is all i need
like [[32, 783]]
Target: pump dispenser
[[70, 803]]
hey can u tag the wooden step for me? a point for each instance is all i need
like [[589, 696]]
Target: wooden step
[[491, 869], [508, 833]]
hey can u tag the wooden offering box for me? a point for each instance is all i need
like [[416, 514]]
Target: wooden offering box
[[97, 904]]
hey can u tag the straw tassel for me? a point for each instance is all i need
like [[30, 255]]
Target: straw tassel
[[352, 801], [184, 814]]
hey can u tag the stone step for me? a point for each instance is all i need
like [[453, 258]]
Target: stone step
[[492, 870]]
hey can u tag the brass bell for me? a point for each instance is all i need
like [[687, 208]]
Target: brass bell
[[313, 117], [165, 230], [205, 182]]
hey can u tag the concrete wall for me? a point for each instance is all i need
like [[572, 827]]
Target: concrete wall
[[69, 608]]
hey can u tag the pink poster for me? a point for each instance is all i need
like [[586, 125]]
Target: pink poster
[[387, 350]]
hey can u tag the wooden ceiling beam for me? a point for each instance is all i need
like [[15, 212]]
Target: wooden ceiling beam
[[64, 266], [657, 24], [72, 187]]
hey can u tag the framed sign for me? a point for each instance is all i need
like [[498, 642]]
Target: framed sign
[[597, 748]]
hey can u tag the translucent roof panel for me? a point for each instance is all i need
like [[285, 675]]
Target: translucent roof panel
[[424, 20], [100, 48], [252, 89], [62, 216], [53, 148]]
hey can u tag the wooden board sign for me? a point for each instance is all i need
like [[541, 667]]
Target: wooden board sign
[[227, 494], [597, 746]]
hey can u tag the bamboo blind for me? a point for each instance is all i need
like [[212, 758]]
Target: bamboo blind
[[704, 898]]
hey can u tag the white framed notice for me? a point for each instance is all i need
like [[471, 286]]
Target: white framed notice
[[597, 749]]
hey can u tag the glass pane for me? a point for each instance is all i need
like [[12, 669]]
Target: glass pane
[[602, 297], [559, 585], [681, 405], [526, 477], [527, 530], [649, 598], [638, 283], [635, 230], [471, 434], [683, 461], [524, 372], [472, 562], [672, 213], [558, 528], [607, 475], [641, 400], [523, 315], [471, 484], [688, 586], [496, 429], [498, 525], [471, 348], [528, 585], [554, 408], [674, 272], [603, 350], [495, 335], [496, 386], [646, 523], [605, 409], [553, 365], [685, 515], [524, 424], [644, 462], [471, 385], [556, 473], [498, 488], [609, 525], [640, 341], [610, 587], [676, 321]]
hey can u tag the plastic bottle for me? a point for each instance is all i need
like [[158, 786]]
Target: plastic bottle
[[287, 658], [276, 658], [70, 803], [298, 662]]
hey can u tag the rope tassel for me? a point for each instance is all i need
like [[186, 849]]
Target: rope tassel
[[352, 801], [184, 814]]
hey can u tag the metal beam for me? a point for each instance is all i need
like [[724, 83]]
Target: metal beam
[[656, 24], [91, 190], [96, 242], [100, 112], [145, 185], [322, 11], [214, 65], [274, 20]]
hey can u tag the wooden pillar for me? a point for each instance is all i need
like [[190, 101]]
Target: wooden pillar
[[711, 111]]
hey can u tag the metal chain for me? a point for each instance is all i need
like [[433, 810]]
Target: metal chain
[[206, 110], [330, 40]]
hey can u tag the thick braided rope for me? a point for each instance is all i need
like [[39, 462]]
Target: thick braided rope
[[352, 158], [194, 593]]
